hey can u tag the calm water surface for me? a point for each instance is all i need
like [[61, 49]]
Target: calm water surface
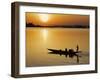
[[39, 39]]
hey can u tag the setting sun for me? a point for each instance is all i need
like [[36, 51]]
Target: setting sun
[[44, 17]]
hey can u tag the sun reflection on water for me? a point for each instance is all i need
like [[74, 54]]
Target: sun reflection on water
[[45, 34]]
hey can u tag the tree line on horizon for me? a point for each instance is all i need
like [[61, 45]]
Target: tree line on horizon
[[53, 26]]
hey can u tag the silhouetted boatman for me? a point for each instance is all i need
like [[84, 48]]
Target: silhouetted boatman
[[71, 53], [77, 48], [66, 52], [60, 52]]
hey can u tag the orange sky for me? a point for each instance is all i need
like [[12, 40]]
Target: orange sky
[[57, 19]]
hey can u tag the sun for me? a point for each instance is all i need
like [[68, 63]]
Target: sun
[[44, 17]]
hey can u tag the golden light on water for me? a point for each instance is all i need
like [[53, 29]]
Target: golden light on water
[[45, 34], [44, 17]]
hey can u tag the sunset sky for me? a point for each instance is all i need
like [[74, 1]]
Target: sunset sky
[[44, 19]]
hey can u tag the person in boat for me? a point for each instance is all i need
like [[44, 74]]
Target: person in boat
[[66, 52], [71, 53]]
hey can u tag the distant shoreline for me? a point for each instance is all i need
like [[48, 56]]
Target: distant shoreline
[[60, 27], [57, 26]]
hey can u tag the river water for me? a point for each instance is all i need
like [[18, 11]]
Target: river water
[[38, 40]]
